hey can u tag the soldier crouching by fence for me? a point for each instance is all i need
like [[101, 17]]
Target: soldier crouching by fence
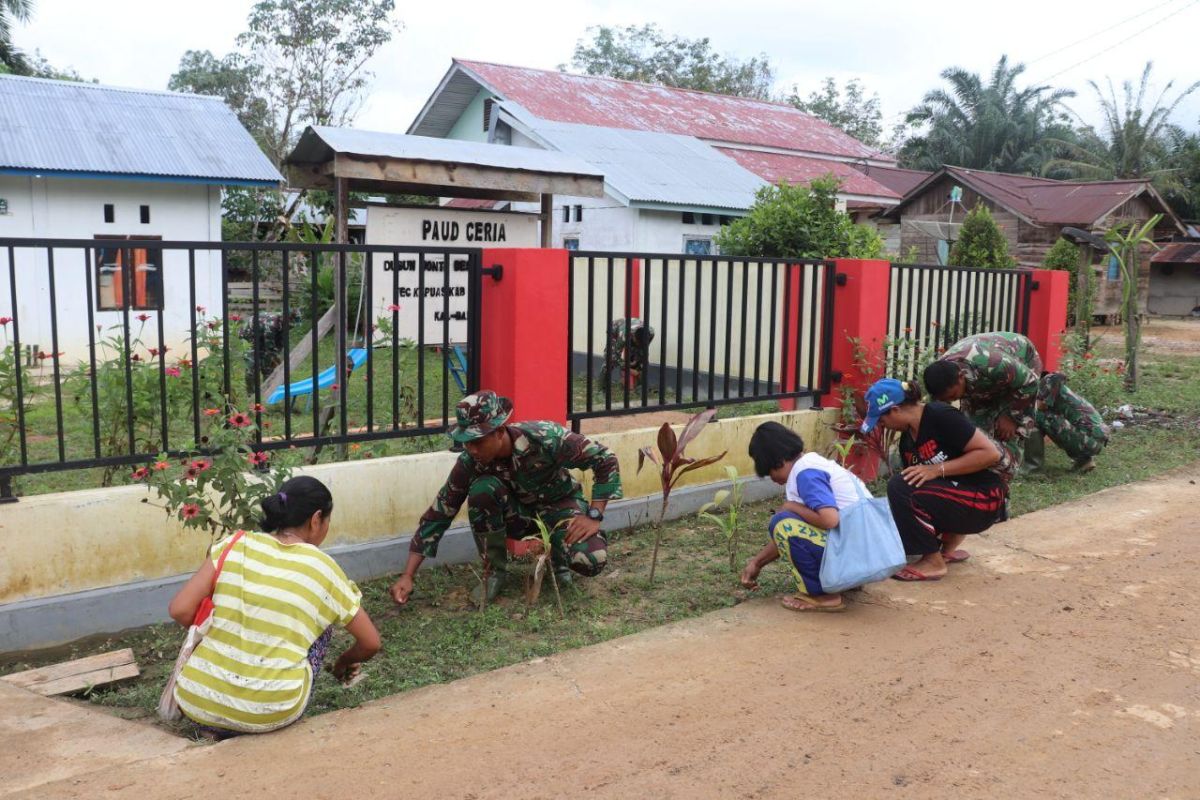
[[508, 475]]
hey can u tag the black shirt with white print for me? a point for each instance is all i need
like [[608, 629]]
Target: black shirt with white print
[[943, 436]]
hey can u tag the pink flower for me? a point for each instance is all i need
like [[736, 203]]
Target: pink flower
[[153, 351], [143, 317], [5, 320], [258, 408], [333, 387], [140, 474], [258, 459], [190, 474], [212, 325], [393, 308], [160, 465], [235, 318], [200, 465], [239, 420], [211, 412], [189, 511], [200, 309], [172, 372]]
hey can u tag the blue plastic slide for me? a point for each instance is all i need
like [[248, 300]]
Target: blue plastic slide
[[357, 357]]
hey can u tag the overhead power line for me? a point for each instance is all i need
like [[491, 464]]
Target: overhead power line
[[1092, 37]]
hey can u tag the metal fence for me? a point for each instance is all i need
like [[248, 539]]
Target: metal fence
[[114, 350], [931, 307], [657, 332]]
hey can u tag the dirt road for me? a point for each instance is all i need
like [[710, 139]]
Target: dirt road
[[1062, 661]]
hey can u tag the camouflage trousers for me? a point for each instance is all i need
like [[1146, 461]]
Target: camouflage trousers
[[496, 514], [1071, 422]]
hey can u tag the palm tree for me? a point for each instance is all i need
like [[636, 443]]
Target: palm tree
[[12, 59], [1135, 140], [992, 125]]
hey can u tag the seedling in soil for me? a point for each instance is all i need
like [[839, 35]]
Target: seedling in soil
[[728, 523], [542, 560], [673, 464]]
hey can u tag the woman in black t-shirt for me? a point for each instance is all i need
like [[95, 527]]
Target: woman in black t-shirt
[[945, 489]]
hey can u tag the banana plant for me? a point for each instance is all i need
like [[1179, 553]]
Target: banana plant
[[728, 523], [541, 564], [1126, 250], [673, 464]]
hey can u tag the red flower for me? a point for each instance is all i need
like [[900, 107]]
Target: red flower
[[907, 331], [393, 308], [140, 474], [333, 387], [936, 324], [190, 474], [161, 465], [5, 320], [1087, 356], [211, 412], [235, 318], [266, 424], [201, 465], [143, 317], [212, 326], [239, 420], [200, 309], [172, 372], [183, 362], [258, 408], [135, 357], [258, 459], [153, 351], [189, 511]]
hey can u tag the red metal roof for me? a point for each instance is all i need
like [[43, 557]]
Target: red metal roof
[[1178, 253], [900, 181], [776, 167], [608, 102], [1043, 201]]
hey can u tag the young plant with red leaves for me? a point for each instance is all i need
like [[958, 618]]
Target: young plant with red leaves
[[673, 464]]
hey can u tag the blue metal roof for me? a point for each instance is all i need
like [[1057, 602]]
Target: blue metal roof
[[67, 127], [659, 170]]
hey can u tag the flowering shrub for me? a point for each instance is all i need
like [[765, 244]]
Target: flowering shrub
[[220, 482], [1099, 381]]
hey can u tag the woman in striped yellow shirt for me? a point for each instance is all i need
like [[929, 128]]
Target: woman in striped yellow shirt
[[276, 600]]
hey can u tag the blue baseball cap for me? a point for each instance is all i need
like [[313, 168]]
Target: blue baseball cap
[[884, 394]]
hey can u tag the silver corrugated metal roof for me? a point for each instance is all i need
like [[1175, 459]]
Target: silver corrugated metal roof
[[655, 168], [64, 126], [318, 143]]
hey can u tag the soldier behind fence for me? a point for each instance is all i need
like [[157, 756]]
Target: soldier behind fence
[[510, 474], [628, 349]]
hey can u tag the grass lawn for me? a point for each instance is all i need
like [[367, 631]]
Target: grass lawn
[[438, 638]]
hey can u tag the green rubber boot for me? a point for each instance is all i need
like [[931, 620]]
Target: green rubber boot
[[497, 574], [1035, 453]]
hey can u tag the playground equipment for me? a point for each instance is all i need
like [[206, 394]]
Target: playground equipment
[[355, 358]]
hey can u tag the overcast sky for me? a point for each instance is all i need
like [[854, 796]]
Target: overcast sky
[[896, 48]]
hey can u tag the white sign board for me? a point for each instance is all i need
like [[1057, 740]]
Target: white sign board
[[399, 280]]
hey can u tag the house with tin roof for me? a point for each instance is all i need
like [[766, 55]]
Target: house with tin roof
[[1032, 212], [677, 163], [99, 163]]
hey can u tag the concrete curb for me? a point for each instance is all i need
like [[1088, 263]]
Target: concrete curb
[[51, 621]]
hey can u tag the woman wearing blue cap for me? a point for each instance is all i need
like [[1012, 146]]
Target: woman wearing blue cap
[[946, 489]]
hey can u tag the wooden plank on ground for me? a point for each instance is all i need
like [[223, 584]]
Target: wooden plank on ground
[[77, 675]]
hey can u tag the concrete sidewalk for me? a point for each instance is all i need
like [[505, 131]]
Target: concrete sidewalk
[[1062, 660]]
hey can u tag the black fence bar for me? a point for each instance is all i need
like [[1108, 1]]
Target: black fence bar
[[132, 372], [933, 306], [685, 365]]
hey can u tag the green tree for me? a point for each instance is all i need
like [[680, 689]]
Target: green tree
[[1136, 138], [1127, 247], [990, 125], [789, 221], [981, 243], [648, 55], [234, 78], [847, 108], [1064, 256], [12, 59]]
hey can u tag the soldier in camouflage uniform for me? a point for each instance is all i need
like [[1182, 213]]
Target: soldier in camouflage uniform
[[628, 348], [995, 378], [508, 474], [1071, 422]]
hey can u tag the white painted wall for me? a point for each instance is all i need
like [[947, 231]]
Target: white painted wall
[[63, 208]]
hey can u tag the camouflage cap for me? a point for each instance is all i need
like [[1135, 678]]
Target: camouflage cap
[[478, 415]]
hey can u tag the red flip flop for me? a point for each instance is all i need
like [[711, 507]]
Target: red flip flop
[[956, 556], [908, 574]]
